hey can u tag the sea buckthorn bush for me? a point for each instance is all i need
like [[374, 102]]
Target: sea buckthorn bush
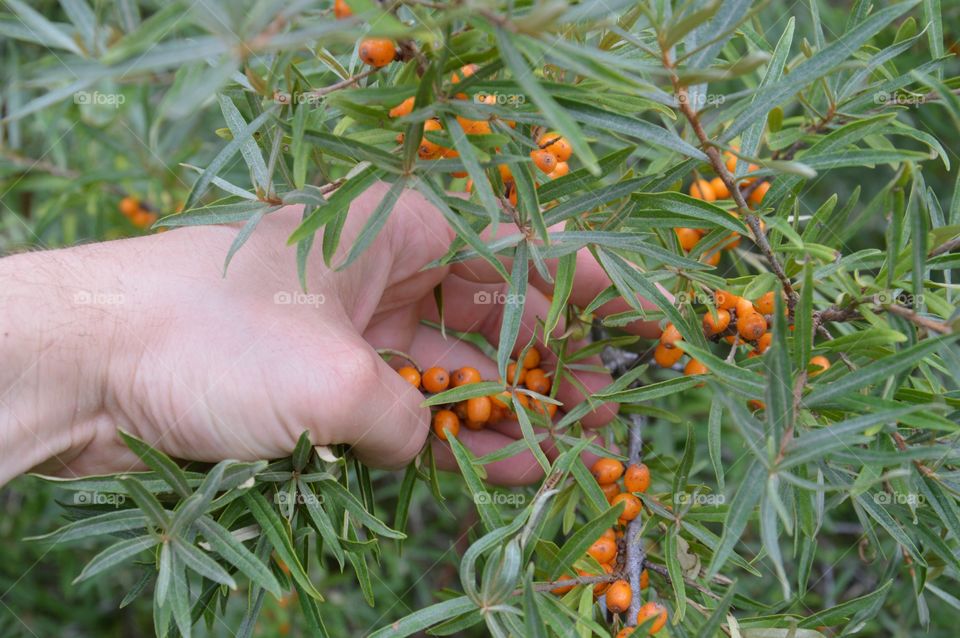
[[776, 181]]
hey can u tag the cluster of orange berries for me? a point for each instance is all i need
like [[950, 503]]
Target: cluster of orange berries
[[137, 214], [551, 155], [618, 594], [737, 320], [477, 412], [710, 191]]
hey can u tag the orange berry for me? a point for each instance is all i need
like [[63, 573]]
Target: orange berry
[[538, 381], [763, 343], [701, 189], [479, 408], [766, 303], [531, 359], [670, 336], [404, 108], [600, 587], [143, 219], [562, 169], [475, 425], [603, 550], [653, 610], [688, 238], [694, 368], [821, 362], [129, 206], [516, 374], [505, 175], [756, 405], [557, 145], [502, 400], [467, 70], [546, 409], [465, 375], [631, 506], [644, 579], [756, 197], [377, 51], [410, 375], [733, 243], [667, 357], [429, 149], [445, 421], [341, 9], [744, 308], [731, 159], [637, 478], [607, 470], [725, 300], [626, 632], [752, 326], [720, 189], [609, 533], [474, 127], [435, 380], [714, 325], [619, 596], [545, 160], [610, 490], [497, 413], [713, 258], [561, 590]]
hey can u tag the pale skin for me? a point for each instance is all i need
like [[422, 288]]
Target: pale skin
[[147, 335]]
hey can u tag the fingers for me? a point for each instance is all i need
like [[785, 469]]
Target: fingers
[[370, 407], [471, 307], [519, 469]]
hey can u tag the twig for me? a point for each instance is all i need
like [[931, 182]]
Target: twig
[[721, 170], [635, 554], [945, 247], [923, 322], [336, 86]]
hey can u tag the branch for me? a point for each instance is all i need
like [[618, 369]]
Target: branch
[[923, 322], [721, 170], [342, 84], [635, 554], [945, 247]]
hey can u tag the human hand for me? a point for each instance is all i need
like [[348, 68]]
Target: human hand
[[147, 335]]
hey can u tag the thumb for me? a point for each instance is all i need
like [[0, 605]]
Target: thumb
[[373, 410]]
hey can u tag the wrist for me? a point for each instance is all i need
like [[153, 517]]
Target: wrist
[[50, 384]]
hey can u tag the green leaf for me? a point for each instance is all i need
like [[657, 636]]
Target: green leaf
[[420, 620], [160, 463], [349, 502], [471, 477], [116, 554], [513, 310], [692, 208], [278, 533], [235, 553], [741, 509], [225, 155], [194, 559], [46, 32], [883, 369], [464, 392], [146, 501], [374, 223], [248, 150]]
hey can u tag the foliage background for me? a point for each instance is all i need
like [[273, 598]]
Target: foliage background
[[63, 169]]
